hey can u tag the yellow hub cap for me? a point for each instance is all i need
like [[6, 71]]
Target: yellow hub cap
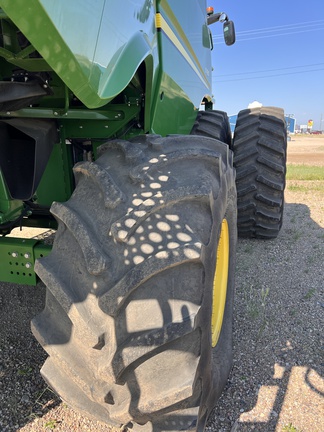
[[220, 283]]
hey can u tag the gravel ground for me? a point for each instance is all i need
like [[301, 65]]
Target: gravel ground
[[276, 383], [277, 377]]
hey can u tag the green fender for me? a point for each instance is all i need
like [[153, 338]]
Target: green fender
[[96, 64], [124, 65]]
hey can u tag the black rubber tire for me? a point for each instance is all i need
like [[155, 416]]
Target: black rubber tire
[[260, 147], [127, 320], [213, 124]]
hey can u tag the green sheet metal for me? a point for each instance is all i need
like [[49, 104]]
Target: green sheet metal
[[96, 47], [185, 65], [9, 209], [18, 257], [99, 61]]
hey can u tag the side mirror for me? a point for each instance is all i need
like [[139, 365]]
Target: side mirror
[[228, 26], [229, 32]]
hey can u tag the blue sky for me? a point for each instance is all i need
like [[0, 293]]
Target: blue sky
[[278, 57]]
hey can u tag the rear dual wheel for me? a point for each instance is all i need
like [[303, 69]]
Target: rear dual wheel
[[214, 124], [260, 148], [140, 282]]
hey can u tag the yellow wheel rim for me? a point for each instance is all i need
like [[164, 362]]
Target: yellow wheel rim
[[220, 283]]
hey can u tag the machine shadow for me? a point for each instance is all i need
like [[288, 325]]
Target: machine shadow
[[277, 374]]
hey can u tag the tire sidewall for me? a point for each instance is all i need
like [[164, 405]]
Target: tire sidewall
[[217, 361]]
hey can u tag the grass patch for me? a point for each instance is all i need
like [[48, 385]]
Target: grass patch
[[297, 188], [25, 371], [306, 186], [291, 428], [51, 424], [256, 305], [309, 294], [297, 235], [304, 172]]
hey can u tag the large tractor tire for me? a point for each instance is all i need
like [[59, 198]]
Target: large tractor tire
[[213, 124], [260, 147], [140, 281]]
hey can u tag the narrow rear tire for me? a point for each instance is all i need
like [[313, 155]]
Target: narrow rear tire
[[213, 124]]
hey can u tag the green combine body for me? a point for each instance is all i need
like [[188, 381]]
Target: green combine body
[[101, 137]]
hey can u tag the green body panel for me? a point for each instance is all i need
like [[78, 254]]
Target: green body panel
[[56, 184], [97, 64], [95, 47], [9, 209], [17, 257], [185, 65]]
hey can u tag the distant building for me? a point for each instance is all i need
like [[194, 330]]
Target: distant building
[[291, 123]]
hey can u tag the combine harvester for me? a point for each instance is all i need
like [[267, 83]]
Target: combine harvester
[[102, 139]]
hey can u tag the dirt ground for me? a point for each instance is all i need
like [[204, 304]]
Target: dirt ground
[[306, 149]]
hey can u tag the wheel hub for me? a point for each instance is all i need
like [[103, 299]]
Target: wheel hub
[[220, 283]]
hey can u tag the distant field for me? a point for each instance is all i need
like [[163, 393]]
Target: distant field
[[306, 150]]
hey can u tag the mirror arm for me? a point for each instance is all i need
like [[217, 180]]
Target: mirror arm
[[215, 17]]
